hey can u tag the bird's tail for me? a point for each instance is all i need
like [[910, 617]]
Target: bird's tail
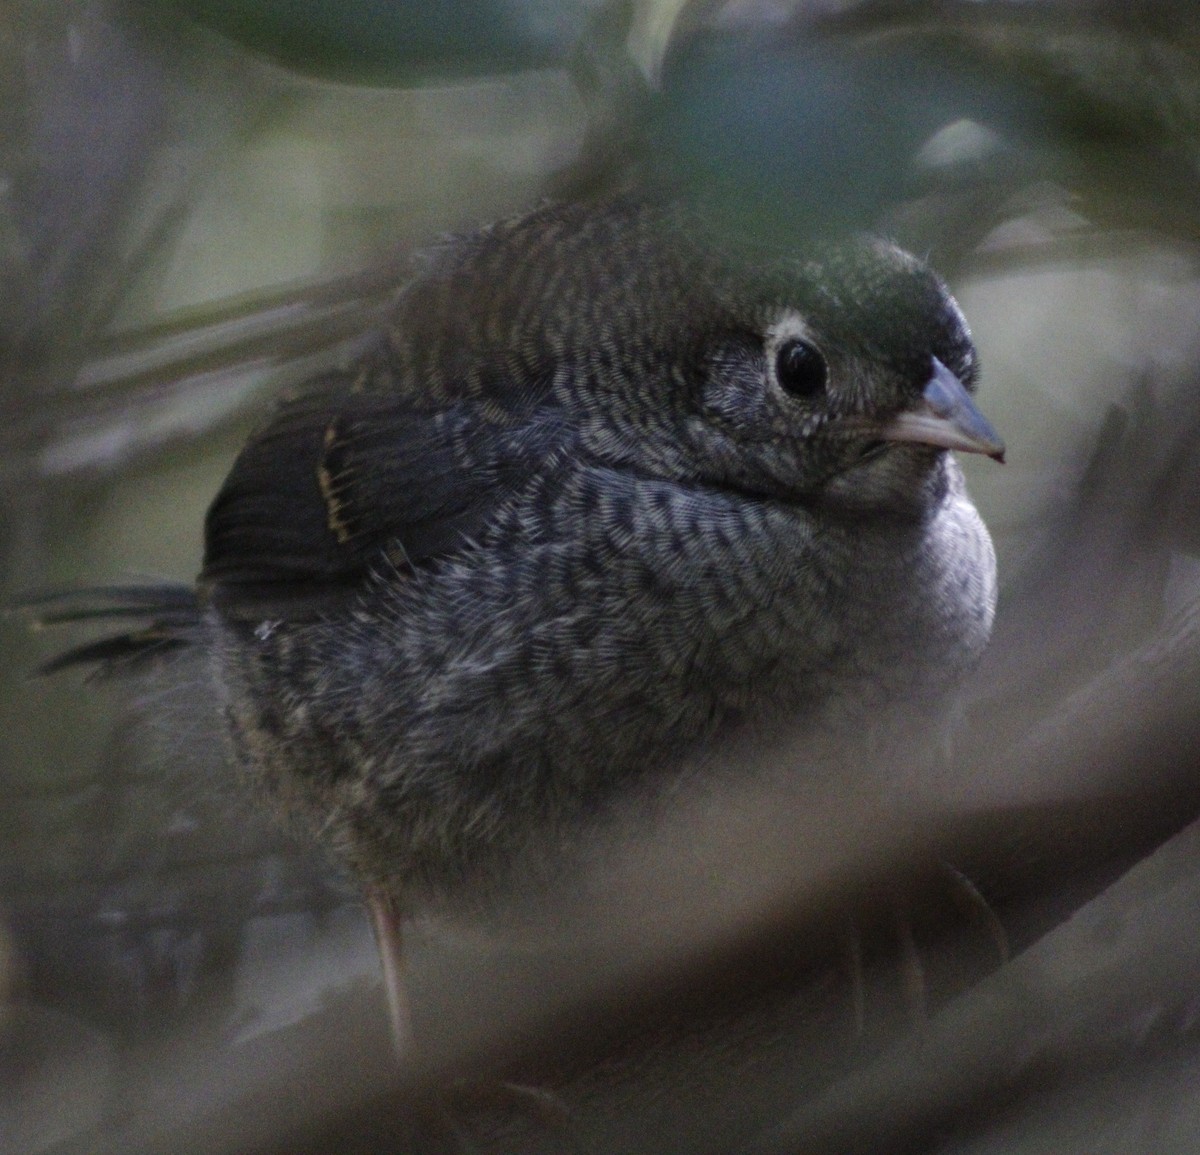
[[159, 619]]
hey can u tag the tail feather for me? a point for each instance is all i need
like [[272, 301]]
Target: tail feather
[[163, 618]]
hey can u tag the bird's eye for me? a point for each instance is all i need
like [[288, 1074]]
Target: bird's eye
[[800, 368]]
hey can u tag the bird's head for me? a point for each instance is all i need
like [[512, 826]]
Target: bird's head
[[839, 379], [842, 379]]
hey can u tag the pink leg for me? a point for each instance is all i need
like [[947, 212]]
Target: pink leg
[[386, 922]]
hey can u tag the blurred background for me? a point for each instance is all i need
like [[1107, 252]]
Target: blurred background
[[204, 201]]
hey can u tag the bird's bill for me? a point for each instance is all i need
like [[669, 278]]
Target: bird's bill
[[947, 418]]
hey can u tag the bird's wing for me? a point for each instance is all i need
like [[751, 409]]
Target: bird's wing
[[345, 479]]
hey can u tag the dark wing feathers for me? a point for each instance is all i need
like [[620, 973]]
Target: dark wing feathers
[[345, 476], [340, 480]]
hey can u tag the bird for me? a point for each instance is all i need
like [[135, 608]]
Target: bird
[[608, 483]]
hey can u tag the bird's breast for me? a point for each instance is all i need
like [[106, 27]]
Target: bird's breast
[[784, 610]]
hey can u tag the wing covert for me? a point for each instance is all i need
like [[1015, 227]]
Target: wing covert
[[343, 477]]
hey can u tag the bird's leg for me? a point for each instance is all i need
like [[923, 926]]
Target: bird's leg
[[386, 922], [542, 1105]]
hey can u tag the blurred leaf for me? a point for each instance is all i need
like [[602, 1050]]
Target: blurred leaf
[[398, 41]]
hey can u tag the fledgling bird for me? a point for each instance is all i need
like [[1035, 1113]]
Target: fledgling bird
[[604, 488]]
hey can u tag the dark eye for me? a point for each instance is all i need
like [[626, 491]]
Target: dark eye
[[800, 368]]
